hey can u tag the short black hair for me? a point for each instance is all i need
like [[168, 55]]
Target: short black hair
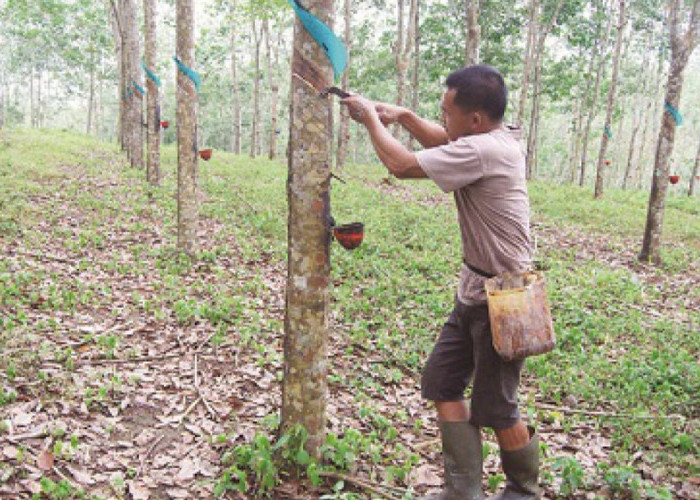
[[480, 87]]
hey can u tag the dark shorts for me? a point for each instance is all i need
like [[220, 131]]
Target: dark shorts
[[464, 352]]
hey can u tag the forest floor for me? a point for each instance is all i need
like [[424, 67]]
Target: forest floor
[[131, 371]]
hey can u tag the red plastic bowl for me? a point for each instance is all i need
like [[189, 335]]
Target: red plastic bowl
[[205, 154], [350, 236], [165, 124], [673, 179]]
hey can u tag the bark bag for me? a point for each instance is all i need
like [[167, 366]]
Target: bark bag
[[521, 323]]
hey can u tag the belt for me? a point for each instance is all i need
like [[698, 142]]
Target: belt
[[478, 271]]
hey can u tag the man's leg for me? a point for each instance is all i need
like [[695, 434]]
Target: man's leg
[[520, 460], [445, 378]]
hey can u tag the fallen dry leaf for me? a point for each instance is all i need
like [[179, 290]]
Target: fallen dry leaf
[[45, 460]]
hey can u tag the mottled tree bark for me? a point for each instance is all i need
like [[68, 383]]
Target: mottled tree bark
[[415, 75], [187, 171], [594, 103], [274, 89], [236, 105], [153, 97], [344, 119], [255, 130], [132, 71], [600, 171], [682, 45], [305, 388], [527, 62], [473, 39], [535, 115], [91, 99], [119, 54], [402, 52], [693, 177]]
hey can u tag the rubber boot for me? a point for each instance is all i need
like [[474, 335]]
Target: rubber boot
[[521, 468], [461, 450]]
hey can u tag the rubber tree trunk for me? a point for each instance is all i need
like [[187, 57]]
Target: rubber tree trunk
[[473, 38], [527, 63], [134, 104], [91, 99], [415, 75], [153, 96], [594, 102], [682, 46], [255, 130], [341, 152], [402, 52], [600, 171], [119, 55], [305, 388], [274, 88], [236, 104], [187, 166], [693, 178]]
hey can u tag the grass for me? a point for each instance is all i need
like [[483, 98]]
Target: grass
[[626, 368]]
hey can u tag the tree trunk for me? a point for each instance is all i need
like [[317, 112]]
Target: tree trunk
[[344, 120], [534, 118], [594, 102], [630, 151], [236, 105], [682, 46], [91, 99], [119, 55], [527, 63], [600, 173], [274, 91], [473, 39], [134, 118], [187, 174], [657, 95], [415, 77], [693, 177], [402, 52], [305, 386], [255, 130], [153, 97]]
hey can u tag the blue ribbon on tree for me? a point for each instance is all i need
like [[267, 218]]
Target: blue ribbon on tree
[[332, 45], [608, 132], [677, 117], [150, 74], [138, 88], [189, 73]]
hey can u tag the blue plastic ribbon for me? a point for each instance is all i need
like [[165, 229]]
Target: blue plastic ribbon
[[189, 73], [324, 36], [608, 132], [138, 88], [677, 117], [150, 74]]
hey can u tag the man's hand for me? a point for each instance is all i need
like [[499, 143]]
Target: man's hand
[[360, 108], [389, 113]]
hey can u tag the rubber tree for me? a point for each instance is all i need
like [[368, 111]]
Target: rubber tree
[[696, 173], [403, 49], [305, 388], [132, 74], [341, 151], [152, 96], [600, 172], [473, 38], [683, 42], [187, 166]]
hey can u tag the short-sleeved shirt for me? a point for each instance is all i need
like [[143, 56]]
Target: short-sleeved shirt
[[486, 173]]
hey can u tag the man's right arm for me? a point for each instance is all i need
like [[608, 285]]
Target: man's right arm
[[429, 134]]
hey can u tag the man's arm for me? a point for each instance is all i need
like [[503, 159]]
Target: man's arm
[[396, 158], [429, 134]]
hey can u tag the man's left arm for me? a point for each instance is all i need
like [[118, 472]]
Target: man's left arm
[[401, 162]]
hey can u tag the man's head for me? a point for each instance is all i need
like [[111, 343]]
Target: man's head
[[475, 101]]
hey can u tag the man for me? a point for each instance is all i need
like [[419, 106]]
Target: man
[[481, 162]]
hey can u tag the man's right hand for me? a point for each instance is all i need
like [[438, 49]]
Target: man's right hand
[[389, 113]]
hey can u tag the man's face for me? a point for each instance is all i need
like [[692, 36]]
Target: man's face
[[457, 122]]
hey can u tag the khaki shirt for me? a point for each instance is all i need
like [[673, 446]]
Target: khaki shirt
[[486, 173]]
